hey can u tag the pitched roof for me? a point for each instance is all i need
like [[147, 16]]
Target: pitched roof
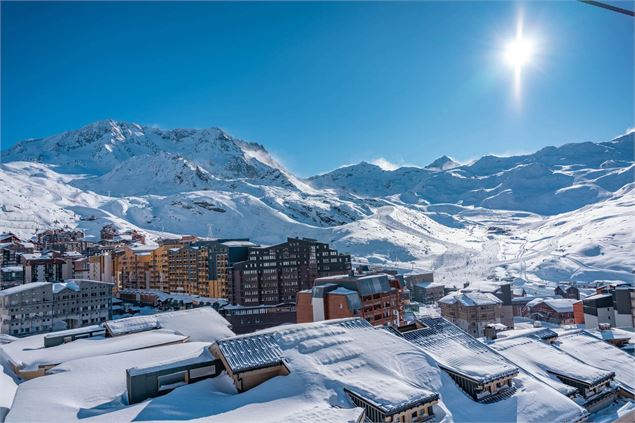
[[469, 299], [458, 352], [252, 352], [22, 288]]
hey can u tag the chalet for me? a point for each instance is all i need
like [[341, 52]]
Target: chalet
[[471, 311], [42, 268], [552, 310], [8, 237]]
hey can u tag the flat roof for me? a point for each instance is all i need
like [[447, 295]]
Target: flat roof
[[29, 353]]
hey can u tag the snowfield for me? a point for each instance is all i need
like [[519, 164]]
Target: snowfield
[[560, 214]]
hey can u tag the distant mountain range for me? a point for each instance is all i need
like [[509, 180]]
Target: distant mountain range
[[206, 182]]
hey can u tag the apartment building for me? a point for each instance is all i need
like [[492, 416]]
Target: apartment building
[[614, 306], [471, 311], [101, 267], [11, 276], [133, 267], [423, 289], [61, 240], [188, 270], [45, 306], [42, 267], [378, 298], [222, 254], [273, 275]]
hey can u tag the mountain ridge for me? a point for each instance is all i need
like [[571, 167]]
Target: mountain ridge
[[205, 182]]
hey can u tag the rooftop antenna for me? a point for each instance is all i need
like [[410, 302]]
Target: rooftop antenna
[[209, 230]]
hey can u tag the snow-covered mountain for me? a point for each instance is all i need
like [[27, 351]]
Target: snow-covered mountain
[[205, 182], [551, 181], [443, 163]]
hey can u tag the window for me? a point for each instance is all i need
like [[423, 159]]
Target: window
[[172, 380]]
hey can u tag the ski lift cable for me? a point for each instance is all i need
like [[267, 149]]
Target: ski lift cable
[[609, 7]]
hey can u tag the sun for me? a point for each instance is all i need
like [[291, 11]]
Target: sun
[[519, 52]]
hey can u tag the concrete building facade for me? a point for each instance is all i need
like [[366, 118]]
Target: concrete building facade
[[44, 306], [273, 275]]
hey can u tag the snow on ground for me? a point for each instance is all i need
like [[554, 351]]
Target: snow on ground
[[8, 388]]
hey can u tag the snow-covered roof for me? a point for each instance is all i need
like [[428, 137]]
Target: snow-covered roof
[[598, 296], [591, 350], [29, 353], [377, 399], [60, 286], [145, 368], [22, 288], [8, 386], [239, 244], [471, 298], [546, 362], [612, 334], [7, 269], [458, 352], [202, 324], [199, 324], [538, 333], [365, 285], [6, 338], [559, 305], [252, 352], [67, 332], [33, 256], [174, 296], [324, 358], [132, 325]]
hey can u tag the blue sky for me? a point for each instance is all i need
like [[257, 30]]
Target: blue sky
[[322, 84]]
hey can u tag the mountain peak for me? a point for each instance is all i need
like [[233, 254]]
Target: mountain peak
[[443, 163]]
